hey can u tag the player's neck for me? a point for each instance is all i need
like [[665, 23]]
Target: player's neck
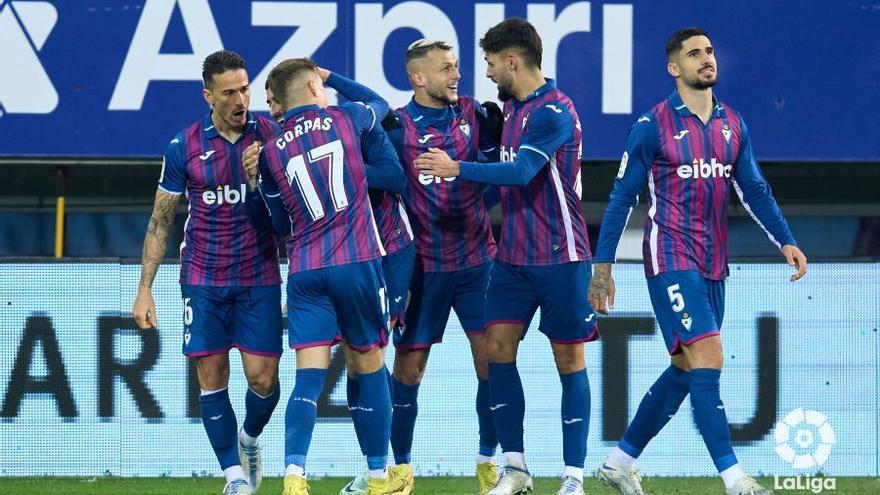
[[223, 128], [529, 83], [698, 101]]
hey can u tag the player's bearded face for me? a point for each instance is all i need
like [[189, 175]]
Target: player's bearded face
[[230, 96], [697, 64], [441, 76], [497, 71]]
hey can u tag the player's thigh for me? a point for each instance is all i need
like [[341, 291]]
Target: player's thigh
[[206, 313], [311, 314], [431, 297], [397, 268], [358, 294], [470, 297], [566, 314], [683, 308], [510, 299], [256, 323]]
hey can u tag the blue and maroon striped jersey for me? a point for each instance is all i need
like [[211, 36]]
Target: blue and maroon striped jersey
[[392, 220], [689, 168], [449, 217], [542, 221], [228, 239], [316, 166]]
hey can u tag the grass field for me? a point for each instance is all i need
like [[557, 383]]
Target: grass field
[[331, 486]]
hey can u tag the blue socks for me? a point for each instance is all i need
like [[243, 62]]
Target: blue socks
[[710, 416], [656, 409], [352, 394], [221, 426], [403, 421], [258, 410], [488, 439], [575, 417], [507, 404], [302, 411], [374, 411]]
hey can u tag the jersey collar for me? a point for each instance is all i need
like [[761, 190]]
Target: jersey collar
[[549, 85], [211, 131], [425, 116], [675, 102], [298, 110]]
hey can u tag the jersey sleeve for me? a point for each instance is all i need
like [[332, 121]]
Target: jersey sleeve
[[642, 145], [271, 195], [172, 179], [550, 127], [383, 168], [754, 192]]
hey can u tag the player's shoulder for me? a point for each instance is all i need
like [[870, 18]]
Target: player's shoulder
[[554, 112]]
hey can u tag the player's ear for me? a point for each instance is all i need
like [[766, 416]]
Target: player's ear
[[672, 69], [208, 96], [512, 60]]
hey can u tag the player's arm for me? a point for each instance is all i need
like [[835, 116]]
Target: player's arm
[[271, 195], [641, 146], [383, 166], [491, 122], [548, 130], [756, 196], [357, 92], [172, 182]]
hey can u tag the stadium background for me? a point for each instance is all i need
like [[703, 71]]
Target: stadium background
[[96, 89]]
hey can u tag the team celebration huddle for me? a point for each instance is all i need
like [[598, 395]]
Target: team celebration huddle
[[385, 217]]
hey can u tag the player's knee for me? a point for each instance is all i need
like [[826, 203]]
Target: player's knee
[[263, 384], [500, 351], [569, 363]]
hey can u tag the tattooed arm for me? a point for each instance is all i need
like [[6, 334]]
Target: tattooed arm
[[161, 221]]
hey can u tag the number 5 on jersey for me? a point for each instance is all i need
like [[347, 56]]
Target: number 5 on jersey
[[298, 172]]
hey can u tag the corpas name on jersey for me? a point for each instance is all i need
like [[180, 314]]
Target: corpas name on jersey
[[704, 170], [301, 127], [225, 194]]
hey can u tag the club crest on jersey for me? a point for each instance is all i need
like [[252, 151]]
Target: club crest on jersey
[[525, 119], [725, 130], [187, 336], [464, 127], [687, 321]]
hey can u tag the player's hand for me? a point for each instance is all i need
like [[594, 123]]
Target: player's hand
[[493, 122], [144, 309], [324, 73], [437, 163], [602, 288], [251, 160], [794, 257]]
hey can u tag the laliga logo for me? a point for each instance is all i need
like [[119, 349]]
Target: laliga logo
[[804, 439], [811, 434], [225, 194], [24, 28], [704, 170]]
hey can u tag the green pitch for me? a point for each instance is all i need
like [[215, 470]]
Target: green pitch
[[424, 486]]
